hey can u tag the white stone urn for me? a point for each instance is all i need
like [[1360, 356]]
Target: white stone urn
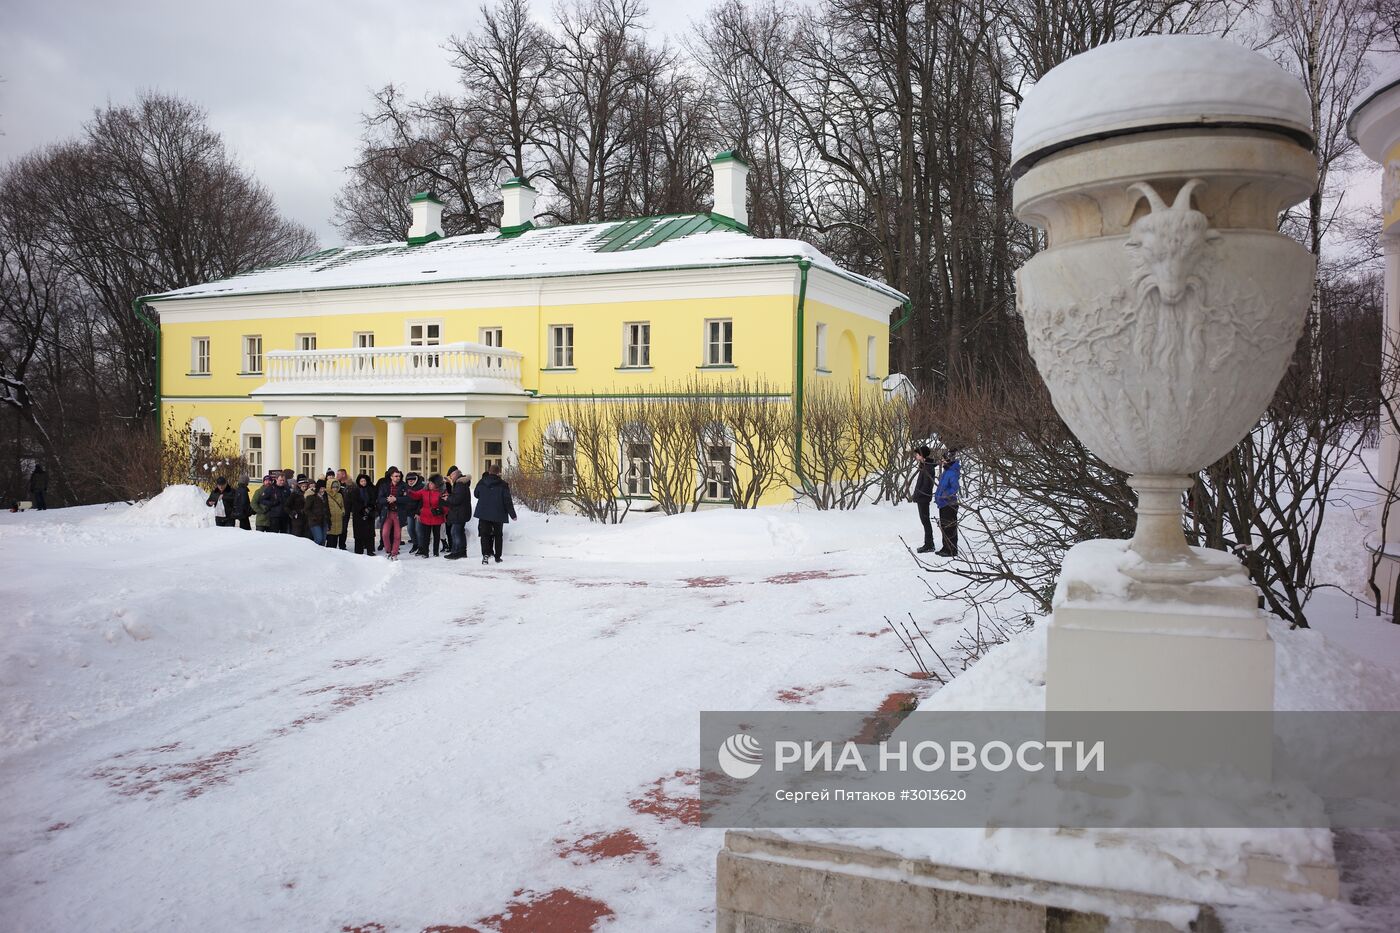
[[1166, 307]]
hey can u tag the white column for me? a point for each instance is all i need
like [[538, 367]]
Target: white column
[[272, 442], [394, 446], [510, 448], [330, 439], [464, 448]]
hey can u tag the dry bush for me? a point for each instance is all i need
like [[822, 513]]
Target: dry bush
[[117, 460], [594, 429], [127, 460], [855, 446], [536, 485], [760, 431]]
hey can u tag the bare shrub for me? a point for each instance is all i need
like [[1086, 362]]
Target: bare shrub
[[855, 446], [759, 430], [536, 485], [594, 430]]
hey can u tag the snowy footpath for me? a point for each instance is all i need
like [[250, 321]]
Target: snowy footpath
[[207, 729]]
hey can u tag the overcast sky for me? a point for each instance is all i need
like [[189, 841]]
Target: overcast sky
[[285, 82]]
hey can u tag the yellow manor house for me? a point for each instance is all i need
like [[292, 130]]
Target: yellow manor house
[[442, 350]]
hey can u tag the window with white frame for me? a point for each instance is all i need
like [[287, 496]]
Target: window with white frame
[[870, 358], [492, 454], [561, 346], [636, 345], [202, 441], [199, 356], [491, 337], [425, 334], [561, 461], [719, 342], [637, 478], [364, 457], [821, 347], [252, 353], [363, 340], [425, 455], [253, 454], [719, 471], [306, 342], [306, 455]]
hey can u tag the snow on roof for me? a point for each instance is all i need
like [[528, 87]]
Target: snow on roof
[[639, 244], [1152, 80]]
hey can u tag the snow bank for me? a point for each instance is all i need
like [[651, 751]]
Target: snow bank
[[712, 535], [125, 609], [176, 507]]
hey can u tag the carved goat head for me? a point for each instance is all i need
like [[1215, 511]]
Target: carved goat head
[[1168, 243]]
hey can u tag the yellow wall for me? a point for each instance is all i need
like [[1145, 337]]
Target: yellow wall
[[846, 336], [764, 342]]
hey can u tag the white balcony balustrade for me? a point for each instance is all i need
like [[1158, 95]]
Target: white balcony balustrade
[[448, 367]]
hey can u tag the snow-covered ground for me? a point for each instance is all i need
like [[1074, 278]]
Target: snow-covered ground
[[209, 729]]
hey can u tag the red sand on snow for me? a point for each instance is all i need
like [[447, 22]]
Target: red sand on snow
[[596, 846], [559, 911], [668, 799]]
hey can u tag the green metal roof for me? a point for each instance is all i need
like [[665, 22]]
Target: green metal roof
[[646, 232]]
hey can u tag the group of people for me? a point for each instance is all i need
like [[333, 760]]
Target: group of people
[[375, 515], [942, 491]]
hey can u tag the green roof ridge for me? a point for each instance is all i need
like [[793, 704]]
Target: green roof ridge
[[730, 155]]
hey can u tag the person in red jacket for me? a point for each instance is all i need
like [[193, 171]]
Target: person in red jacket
[[432, 512]]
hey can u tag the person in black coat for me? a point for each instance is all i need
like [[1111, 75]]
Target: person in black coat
[[221, 500], [494, 508], [39, 487], [362, 502], [242, 504], [923, 494], [459, 512], [273, 504], [379, 488], [296, 509]]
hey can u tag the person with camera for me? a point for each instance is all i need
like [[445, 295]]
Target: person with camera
[[432, 513]]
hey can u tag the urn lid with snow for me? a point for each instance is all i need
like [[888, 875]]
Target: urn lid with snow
[[1166, 307], [1157, 83]]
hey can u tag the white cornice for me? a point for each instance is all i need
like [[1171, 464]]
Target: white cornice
[[653, 286], [832, 289]]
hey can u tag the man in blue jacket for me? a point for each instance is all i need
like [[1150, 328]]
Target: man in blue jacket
[[946, 498]]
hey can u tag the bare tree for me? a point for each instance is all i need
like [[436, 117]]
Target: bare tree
[[146, 200]]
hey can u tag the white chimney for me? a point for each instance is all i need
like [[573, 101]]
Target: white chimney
[[427, 218], [731, 187], [518, 206]]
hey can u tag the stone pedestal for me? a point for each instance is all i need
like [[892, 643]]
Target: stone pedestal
[[768, 884], [1116, 643]]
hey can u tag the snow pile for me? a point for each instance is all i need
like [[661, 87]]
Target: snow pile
[[713, 535], [114, 613], [175, 507]]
